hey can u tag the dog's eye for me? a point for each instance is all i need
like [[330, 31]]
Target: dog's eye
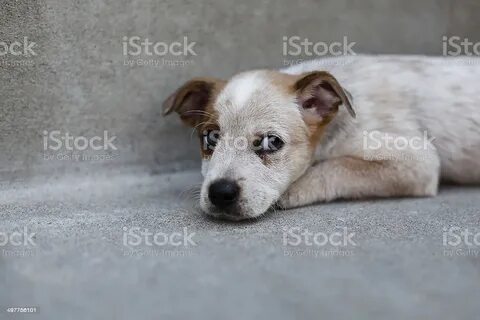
[[267, 144], [210, 139]]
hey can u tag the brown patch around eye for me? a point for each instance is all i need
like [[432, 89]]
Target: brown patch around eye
[[265, 159], [208, 124], [193, 102], [208, 136]]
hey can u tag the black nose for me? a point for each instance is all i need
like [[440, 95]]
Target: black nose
[[223, 193]]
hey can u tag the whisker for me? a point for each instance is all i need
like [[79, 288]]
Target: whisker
[[189, 193]]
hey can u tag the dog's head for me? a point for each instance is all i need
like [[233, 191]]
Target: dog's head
[[258, 133]]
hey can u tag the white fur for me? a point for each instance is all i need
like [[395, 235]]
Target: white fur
[[234, 159], [394, 95], [241, 88], [409, 95]]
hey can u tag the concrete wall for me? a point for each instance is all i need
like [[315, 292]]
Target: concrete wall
[[78, 82]]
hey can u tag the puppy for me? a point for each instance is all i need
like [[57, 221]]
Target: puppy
[[384, 126]]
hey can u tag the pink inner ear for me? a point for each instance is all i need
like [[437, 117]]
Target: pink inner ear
[[321, 94], [321, 100], [309, 103], [317, 106], [327, 94]]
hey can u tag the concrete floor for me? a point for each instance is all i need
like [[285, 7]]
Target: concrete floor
[[79, 268], [76, 265]]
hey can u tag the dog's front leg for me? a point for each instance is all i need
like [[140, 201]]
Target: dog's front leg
[[353, 178]]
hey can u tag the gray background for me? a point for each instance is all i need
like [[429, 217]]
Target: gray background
[[78, 83]]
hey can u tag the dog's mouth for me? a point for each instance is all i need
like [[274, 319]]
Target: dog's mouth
[[232, 217], [231, 214], [236, 213]]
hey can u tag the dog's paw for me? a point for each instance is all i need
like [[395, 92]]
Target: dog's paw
[[310, 188], [291, 198]]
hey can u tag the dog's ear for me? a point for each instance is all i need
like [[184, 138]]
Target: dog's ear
[[319, 95], [190, 100]]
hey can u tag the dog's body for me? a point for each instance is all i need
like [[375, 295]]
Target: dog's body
[[417, 121], [400, 97]]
